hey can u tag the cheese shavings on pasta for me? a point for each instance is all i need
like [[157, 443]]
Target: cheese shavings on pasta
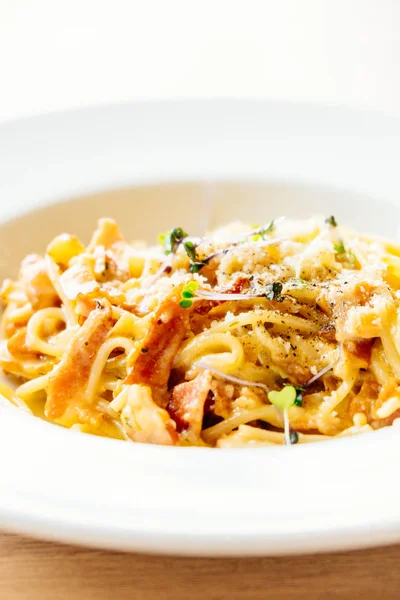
[[287, 332]]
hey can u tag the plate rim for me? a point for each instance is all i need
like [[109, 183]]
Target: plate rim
[[239, 543]]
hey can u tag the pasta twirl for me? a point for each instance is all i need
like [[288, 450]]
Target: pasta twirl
[[284, 333]]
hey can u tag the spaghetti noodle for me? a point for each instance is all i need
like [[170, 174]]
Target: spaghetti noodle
[[285, 333]]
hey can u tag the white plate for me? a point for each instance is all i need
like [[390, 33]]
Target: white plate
[[68, 486]]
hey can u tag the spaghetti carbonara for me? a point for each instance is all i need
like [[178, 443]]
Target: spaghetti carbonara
[[249, 336]]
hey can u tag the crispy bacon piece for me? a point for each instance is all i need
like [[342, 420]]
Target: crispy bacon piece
[[186, 406], [153, 361], [84, 305], [68, 381], [36, 283], [223, 396], [366, 399], [328, 332], [360, 350]]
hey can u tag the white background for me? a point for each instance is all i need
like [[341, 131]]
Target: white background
[[64, 53]]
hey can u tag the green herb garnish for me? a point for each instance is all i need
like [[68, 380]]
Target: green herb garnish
[[298, 401], [283, 399], [273, 291], [339, 247], [196, 266], [185, 303], [187, 294], [172, 240], [190, 250], [331, 221], [299, 396]]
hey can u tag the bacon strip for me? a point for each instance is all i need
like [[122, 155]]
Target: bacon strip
[[360, 351], [154, 359], [68, 381], [366, 399], [186, 406], [37, 285], [223, 396]]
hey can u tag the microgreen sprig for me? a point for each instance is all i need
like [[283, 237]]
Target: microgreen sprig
[[339, 247], [172, 240], [331, 221], [273, 291], [195, 264], [283, 400], [299, 396], [190, 250], [347, 255], [256, 235], [188, 293]]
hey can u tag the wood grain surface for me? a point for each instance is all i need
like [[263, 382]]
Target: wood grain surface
[[32, 570]]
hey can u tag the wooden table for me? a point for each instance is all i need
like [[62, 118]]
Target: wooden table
[[32, 570]]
